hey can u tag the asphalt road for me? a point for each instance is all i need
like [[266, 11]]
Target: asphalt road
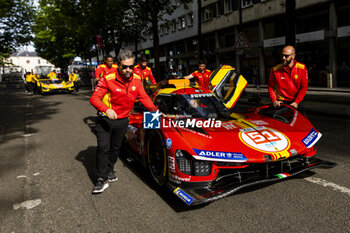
[[47, 171]]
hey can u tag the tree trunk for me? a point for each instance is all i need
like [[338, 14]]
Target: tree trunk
[[156, 47]]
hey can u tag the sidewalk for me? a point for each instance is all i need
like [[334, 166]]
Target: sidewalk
[[328, 101]]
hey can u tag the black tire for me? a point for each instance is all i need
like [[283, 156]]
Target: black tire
[[157, 158]]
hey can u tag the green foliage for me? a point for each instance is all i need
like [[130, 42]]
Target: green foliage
[[68, 28], [16, 17]]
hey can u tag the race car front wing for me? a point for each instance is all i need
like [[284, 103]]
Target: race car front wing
[[225, 185]]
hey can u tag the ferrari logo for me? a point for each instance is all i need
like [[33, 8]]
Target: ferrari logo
[[133, 88], [296, 76]]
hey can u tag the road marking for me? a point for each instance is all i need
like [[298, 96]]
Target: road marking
[[28, 135], [36, 174], [27, 204], [326, 183], [21, 176]]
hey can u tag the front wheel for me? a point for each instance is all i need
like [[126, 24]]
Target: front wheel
[[157, 158]]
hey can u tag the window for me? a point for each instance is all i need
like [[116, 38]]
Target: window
[[209, 12], [247, 3], [190, 19], [173, 24], [47, 62], [38, 61], [27, 61], [161, 30], [182, 22], [166, 29], [228, 6]]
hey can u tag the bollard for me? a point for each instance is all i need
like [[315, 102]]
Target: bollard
[[330, 80]]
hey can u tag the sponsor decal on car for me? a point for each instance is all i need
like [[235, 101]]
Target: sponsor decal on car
[[264, 139], [168, 143], [220, 155], [311, 138], [259, 122], [282, 175], [171, 162], [183, 196]]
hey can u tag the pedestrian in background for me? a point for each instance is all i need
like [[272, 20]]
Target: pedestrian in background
[[35, 80], [201, 75], [74, 77], [288, 81], [114, 98], [93, 81], [29, 82]]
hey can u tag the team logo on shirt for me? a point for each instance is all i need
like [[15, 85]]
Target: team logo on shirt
[[296, 76], [133, 88]]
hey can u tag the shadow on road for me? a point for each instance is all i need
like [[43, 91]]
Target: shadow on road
[[19, 111], [142, 173], [88, 159]]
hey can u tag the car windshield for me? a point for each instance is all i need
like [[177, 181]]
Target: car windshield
[[202, 105], [55, 81]]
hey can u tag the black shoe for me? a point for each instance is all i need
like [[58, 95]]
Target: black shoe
[[100, 185], [112, 176]]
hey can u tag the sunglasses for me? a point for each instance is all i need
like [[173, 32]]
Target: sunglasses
[[124, 67], [286, 55]]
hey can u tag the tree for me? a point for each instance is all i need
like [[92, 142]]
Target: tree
[[68, 28], [16, 18]]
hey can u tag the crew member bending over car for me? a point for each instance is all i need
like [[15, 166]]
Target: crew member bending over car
[[288, 81], [201, 75], [52, 75], [114, 97]]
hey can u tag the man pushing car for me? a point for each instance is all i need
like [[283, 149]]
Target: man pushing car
[[114, 98]]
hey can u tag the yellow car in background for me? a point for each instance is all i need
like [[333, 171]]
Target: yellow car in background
[[54, 86]]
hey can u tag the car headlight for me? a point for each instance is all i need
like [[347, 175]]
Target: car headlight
[[190, 166]]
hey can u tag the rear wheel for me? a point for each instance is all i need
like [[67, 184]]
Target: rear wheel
[[157, 158]]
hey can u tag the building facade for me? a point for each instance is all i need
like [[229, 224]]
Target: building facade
[[322, 30]]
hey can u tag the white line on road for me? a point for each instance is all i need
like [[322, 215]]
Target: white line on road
[[21, 176], [326, 183], [27, 204]]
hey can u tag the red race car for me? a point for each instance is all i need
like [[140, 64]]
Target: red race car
[[203, 151]]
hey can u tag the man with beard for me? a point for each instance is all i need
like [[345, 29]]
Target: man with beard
[[114, 97], [106, 68], [201, 75], [288, 81], [145, 72]]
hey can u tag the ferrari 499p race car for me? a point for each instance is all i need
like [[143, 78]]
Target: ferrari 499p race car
[[203, 151], [54, 86]]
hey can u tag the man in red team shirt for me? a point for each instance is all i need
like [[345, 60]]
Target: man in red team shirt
[[201, 75], [114, 97], [144, 71], [106, 68], [288, 81]]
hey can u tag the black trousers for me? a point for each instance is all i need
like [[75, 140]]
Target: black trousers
[[110, 134]]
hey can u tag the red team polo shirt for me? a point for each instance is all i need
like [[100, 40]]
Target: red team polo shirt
[[288, 84], [103, 69], [120, 94], [145, 74], [202, 78]]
